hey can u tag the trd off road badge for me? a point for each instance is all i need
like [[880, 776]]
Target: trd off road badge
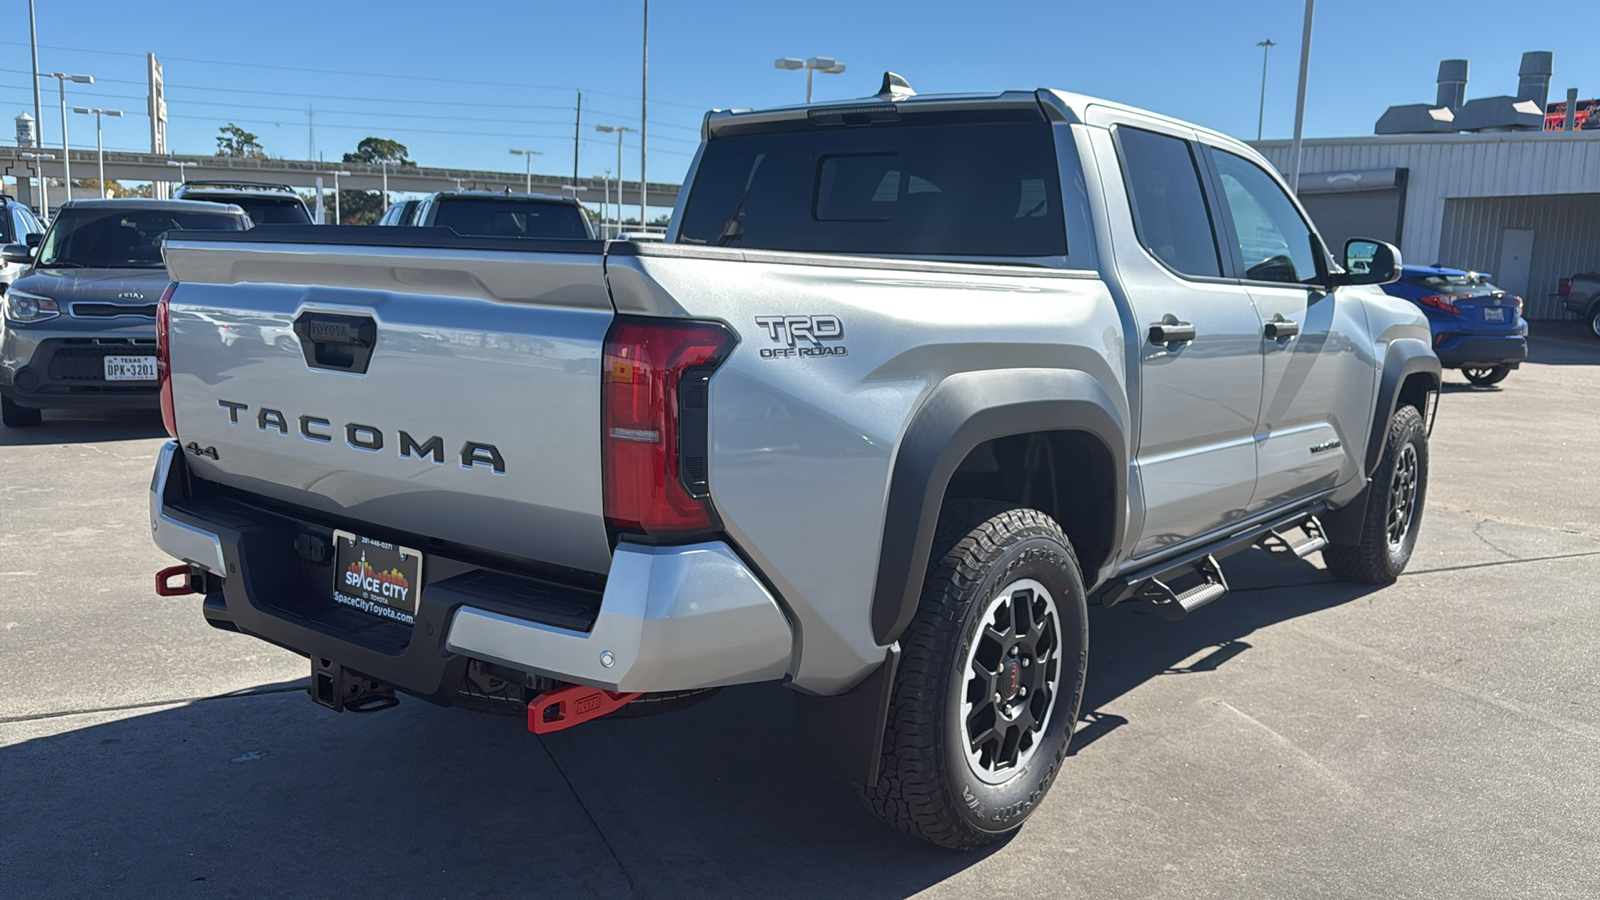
[[803, 336]]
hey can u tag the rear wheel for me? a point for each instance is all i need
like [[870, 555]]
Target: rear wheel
[[1483, 376], [990, 679], [1594, 320], [1394, 501], [15, 416]]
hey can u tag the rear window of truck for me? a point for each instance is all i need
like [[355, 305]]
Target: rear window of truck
[[967, 189], [511, 217]]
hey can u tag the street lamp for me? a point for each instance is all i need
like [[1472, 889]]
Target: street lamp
[[620, 130], [605, 202], [336, 174], [38, 169], [527, 184], [827, 65], [99, 143], [66, 154], [1261, 116], [180, 164]]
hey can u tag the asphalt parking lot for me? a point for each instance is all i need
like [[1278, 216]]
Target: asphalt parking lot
[[1301, 738]]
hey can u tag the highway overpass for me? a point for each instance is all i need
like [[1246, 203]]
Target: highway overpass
[[303, 174]]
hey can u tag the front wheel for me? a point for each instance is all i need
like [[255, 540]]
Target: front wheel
[[1394, 500], [1486, 376], [1594, 320], [991, 674]]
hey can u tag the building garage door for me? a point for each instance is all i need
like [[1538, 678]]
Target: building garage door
[[1531, 242], [1370, 203]]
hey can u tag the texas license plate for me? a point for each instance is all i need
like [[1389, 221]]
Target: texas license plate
[[376, 577], [1494, 314], [130, 368]]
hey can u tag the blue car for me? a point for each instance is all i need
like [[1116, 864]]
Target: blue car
[[1477, 327]]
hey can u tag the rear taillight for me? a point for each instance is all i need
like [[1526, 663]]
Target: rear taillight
[[169, 416], [1440, 302], [653, 412]]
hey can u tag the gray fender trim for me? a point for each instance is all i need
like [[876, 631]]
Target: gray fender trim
[[962, 412], [1405, 357]]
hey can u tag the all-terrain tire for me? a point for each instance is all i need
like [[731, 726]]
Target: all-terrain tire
[[1484, 377], [14, 416], [1394, 502], [934, 783]]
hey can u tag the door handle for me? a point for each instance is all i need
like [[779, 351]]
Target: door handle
[[1171, 332], [1281, 329]]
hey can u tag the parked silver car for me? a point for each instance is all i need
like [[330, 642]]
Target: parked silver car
[[78, 329], [18, 225]]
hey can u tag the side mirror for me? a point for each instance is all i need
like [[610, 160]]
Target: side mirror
[[17, 253], [1367, 261], [34, 240]]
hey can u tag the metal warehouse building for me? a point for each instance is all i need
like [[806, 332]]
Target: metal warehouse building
[[1524, 206]]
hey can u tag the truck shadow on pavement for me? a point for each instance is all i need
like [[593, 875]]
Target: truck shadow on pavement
[[84, 427], [268, 794]]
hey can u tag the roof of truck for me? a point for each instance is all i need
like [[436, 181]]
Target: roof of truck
[[146, 203], [1062, 105]]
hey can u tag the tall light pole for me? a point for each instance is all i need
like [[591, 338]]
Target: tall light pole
[[527, 175], [38, 113], [1261, 116], [827, 65], [384, 165], [99, 142], [1300, 99], [336, 173], [620, 130], [605, 203], [180, 164], [644, 122], [66, 153]]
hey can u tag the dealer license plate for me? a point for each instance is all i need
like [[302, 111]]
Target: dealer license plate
[[376, 577], [130, 368], [1494, 314]]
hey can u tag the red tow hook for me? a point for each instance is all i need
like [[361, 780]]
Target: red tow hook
[[165, 587], [573, 705]]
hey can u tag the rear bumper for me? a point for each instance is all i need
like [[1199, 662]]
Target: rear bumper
[[1458, 351], [666, 618]]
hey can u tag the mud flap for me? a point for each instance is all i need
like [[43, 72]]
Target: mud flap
[[843, 734]]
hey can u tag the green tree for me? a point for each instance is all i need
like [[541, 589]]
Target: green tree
[[373, 150], [235, 141], [364, 207]]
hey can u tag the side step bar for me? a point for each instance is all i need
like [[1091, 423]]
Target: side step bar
[[1173, 606], [1153, 584]]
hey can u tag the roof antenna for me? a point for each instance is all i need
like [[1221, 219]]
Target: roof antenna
[[895, 88]]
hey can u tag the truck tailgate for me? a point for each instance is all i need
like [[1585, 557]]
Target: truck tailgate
[[450, 392]]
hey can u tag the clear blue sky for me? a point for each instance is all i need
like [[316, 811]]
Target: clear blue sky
[[1197, 61]]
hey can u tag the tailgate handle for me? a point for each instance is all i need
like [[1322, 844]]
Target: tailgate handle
[[337, 342]]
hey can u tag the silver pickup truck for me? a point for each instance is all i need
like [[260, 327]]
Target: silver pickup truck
[[910, 382]]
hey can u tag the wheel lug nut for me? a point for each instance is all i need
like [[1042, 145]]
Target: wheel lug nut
[[1024, 662], [998, 698], [1022, 692], [1013, 651]]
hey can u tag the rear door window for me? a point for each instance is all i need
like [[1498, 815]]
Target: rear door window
[[1169, 208], [951, 189]]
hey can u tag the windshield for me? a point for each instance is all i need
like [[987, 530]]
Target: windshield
[[946, 189], [88, 238], [1469, 283], [511, 217]]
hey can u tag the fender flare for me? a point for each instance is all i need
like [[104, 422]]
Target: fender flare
[[1405, 357], [962, 412]]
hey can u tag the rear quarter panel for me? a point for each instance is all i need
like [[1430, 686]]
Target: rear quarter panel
[[802, 447]]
